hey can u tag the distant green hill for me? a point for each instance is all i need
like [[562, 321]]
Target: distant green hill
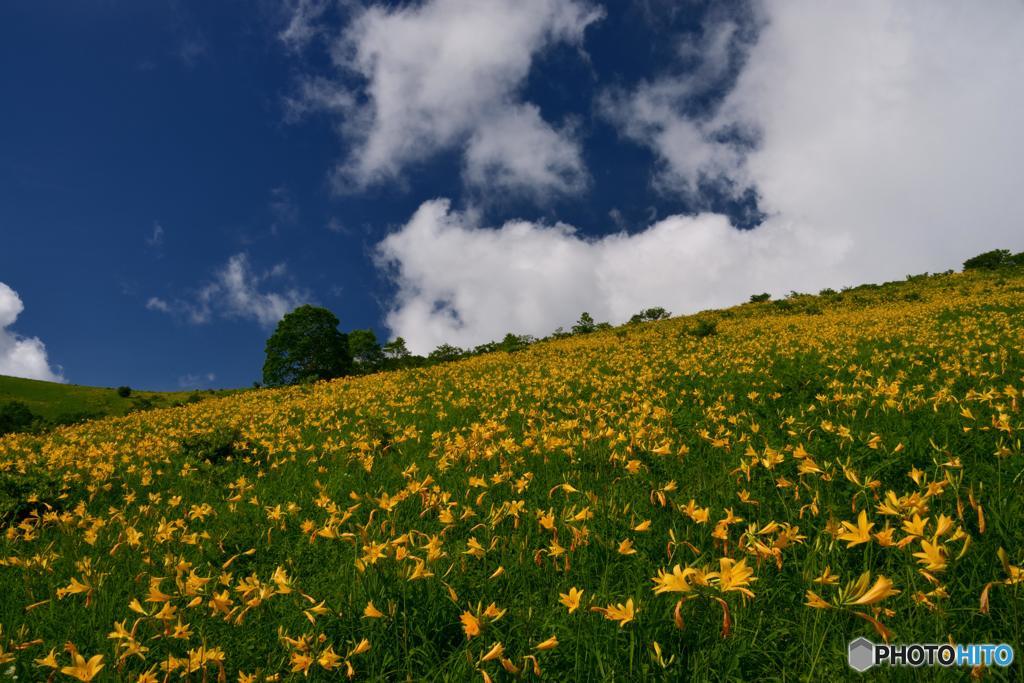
[[71, 402]]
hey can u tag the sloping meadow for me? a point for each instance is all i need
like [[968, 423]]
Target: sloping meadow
[[736, 494]]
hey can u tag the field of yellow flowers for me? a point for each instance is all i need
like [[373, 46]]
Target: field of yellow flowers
[[642, 503]]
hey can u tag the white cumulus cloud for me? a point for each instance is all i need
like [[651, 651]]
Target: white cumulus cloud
[[21, 356], [463, 283], [881, 138], [446, 75], [893, 124]]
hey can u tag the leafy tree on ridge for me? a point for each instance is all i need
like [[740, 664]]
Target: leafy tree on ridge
[[306, 346]]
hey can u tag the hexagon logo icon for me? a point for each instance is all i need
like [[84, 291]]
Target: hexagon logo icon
[[861, 654]]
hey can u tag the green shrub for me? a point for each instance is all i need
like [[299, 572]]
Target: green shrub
[[124, 392], [992, 260], [213, 447], [760, 298], [144, 403], [783, 305], [488, 347], [72, 417], [15, 416], [704, 328], [649, 315], [22, 493], [515, 342]]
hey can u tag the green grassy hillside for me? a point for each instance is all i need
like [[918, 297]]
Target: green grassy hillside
[[734, 495], [57, 402]]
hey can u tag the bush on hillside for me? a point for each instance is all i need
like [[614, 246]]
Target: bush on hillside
[[515, 342], [15, 416], [20, 493], [649, 315], [213, 447], [992, 260], [704, 328]]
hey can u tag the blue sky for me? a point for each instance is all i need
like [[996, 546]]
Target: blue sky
[[174, 176]]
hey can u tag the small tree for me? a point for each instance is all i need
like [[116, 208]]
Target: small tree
[[445, 353], [585, 325], [487, 347], [396, 349], [515, 342], [760, 298], [306, 346], [650, 315], [990, 260], [124, 392], [364, 349]]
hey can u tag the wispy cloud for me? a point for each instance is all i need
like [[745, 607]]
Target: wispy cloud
[[336, 226], [283, 209], [155, 303], [192, 49], [155, 240], [303, 25], [236, 291], [200, 380]]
